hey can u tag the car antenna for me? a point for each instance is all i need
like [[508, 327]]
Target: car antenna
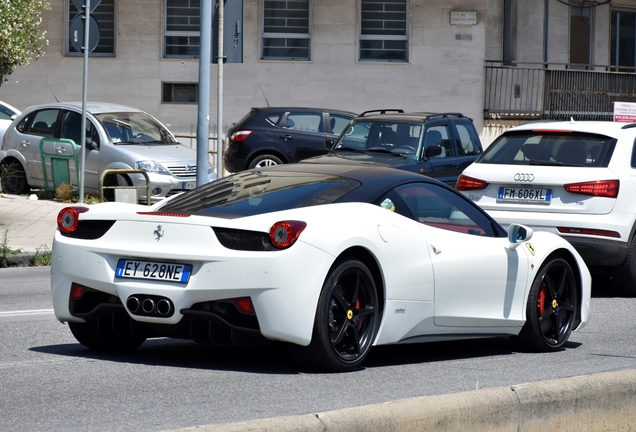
[[265, 97], [56, 100]]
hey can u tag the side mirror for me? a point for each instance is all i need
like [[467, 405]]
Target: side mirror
[[329, 143], [90, 144], [518, 234], [433, 150]]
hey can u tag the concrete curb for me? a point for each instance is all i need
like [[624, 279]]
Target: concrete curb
[[600, 402]]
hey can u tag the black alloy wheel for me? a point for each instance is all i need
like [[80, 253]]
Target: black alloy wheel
[[347, 319], [13, 179], [551, 308]]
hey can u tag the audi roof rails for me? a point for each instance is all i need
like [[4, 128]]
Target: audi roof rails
[[444, 116], [629, 126], [381, 111]]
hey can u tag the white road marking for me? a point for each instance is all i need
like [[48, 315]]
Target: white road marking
[[26, 312]]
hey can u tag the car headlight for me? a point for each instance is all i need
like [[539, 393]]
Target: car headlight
[[152, 167]]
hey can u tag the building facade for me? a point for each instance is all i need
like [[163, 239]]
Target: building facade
[[417, 55]]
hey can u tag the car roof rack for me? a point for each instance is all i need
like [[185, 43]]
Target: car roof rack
[[444, 116], [629, 126], [382, 111]]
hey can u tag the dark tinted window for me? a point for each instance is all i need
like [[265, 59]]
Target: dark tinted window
[[41, 123], [550, 148], [252, 193], [439, 207]]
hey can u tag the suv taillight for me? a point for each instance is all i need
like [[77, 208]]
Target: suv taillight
[[600, 188], [469, 183], [240, 136]]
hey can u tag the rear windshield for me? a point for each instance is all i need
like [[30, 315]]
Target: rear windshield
[[253, 193], [550, 148]]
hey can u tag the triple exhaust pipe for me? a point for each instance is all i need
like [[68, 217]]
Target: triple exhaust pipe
[[149, 306]]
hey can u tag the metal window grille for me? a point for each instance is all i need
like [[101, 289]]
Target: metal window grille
[[286, 30], [383, 30], [182, 28], [104, 13]]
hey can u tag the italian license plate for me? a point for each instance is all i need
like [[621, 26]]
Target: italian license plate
[[152, 270], [187, 185], [508, 194]]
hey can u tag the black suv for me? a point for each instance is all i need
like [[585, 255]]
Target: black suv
[[272, 136], [437, 145]]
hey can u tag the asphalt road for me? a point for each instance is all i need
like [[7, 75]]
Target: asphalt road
[[51, 383]]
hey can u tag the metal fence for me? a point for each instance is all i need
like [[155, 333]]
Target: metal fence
[[555, 91]]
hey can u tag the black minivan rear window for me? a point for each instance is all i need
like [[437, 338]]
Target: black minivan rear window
[[253, 193], [550, 148]]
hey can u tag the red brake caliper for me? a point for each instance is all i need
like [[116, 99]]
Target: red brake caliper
[[541, 300], [357, 308]]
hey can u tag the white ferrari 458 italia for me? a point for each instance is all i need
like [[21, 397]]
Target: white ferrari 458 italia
[[326, 260]]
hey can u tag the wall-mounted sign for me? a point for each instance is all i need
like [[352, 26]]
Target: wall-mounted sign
[[463, 18], [625, 112]]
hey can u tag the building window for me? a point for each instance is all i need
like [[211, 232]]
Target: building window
[[580, 36], [286, 30], [104, 14], [383, 30], [510, 32], [182, 29], [180, 93], [623, 35]]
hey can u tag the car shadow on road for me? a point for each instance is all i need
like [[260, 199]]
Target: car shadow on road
[[276, 360]]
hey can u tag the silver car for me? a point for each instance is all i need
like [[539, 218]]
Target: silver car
[[117, 137]]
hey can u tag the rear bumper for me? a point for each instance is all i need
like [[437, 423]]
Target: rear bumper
[[233, 163], [596, 251]]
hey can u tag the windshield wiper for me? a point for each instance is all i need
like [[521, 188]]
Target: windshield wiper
[[385, 151], [551, 163], [351, 149]]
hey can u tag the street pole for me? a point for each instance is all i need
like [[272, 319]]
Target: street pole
[[82, 144], [203, 121], [219, 97]]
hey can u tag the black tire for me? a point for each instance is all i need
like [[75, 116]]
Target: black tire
[[13, 179], [115, 180], [551, 308], [624, 276], [347, 320], [265, 160], [100, 335]]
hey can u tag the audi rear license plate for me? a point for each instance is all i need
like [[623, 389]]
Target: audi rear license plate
[[511, 194], [152, 270]]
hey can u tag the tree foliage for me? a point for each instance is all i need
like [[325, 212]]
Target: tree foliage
[[21, 38]]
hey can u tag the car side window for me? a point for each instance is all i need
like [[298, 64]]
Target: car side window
[[42, 123], [438, 207], [304, 121], [338, 123], [470, 144], [440, 135], [72, 128]]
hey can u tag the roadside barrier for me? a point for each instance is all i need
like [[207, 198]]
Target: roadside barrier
[[589, 403]]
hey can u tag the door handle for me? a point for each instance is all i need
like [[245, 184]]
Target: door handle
[[61, 150], [286, 137], [25, 143], [436, 250]]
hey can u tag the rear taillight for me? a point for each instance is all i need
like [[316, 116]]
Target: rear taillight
[[600, 188], [240, 136], [283, 234], [469, 183], [244, 304], [68, 219], [589, 231]]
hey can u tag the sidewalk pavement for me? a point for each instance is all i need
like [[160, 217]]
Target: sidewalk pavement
[[29, 224]]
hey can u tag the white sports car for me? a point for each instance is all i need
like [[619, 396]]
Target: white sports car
[[327, 260]]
